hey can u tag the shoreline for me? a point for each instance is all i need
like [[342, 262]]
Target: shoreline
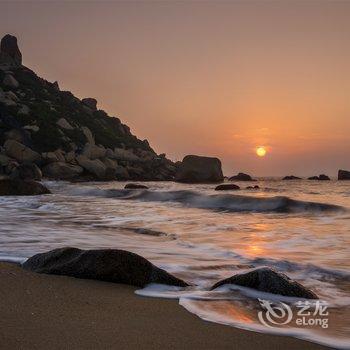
[[46, 311]]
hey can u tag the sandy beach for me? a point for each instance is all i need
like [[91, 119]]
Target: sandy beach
[[57, 312]]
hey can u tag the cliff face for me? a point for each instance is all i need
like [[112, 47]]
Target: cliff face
[[83, 141]]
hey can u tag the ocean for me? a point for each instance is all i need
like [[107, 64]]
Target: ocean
[[300, 228]]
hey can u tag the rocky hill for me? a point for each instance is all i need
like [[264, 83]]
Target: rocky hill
[[52, 131]]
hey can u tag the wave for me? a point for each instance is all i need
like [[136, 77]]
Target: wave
[[225, 202]]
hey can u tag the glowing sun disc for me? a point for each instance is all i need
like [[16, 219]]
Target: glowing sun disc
[[261, 151]]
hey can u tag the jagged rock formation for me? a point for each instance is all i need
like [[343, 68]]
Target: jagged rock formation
[[9, 52], [67, 138]]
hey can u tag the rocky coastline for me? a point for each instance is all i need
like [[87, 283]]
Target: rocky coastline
[[64, 137]]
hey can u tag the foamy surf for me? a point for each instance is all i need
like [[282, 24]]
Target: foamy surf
[[238, 307], [224, 202]]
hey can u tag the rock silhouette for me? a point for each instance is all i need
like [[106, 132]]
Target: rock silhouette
[[43, 125], [9, 52], [110, 265], [199, 169], [268, 280]]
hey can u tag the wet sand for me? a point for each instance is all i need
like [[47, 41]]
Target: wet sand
[[58, 312]]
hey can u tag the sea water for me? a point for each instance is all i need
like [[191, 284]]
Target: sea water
[[300, 228]]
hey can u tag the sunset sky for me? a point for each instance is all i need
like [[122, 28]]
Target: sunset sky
[[207, 78]]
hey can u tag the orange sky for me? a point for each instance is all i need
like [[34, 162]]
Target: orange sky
[[211, 78]]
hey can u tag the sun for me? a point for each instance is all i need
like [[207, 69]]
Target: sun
[[261, 151]]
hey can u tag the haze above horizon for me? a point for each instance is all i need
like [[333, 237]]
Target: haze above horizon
[[217, 79]]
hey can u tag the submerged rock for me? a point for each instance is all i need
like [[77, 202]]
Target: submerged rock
[[343, 175], [135, 186], [291, 177], [10, 187], [110, 265], [268, 280], [241, 177], [199, 169], [227, 187], [256, 187]]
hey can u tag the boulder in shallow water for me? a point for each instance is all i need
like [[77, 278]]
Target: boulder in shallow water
[[110, 265], [256, 187], [291, 177], [268, 280], [199, 169], [241, 177], [10, 187], [227, 187], [135, 186], [322, 177], [343, 175]]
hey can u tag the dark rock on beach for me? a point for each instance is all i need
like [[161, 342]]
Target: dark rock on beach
[[268, 280], [109, 265], [291, 177], [227, 187], [135, 186], [241, 177], [10, 187], [199, 169], [343, 175]]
